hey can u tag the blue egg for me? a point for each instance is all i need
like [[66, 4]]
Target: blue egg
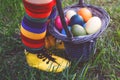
[[84, 25], [63, 30], [76, 19]]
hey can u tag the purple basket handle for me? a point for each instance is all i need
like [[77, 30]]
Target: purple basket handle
[[61, 14], [81, 2]]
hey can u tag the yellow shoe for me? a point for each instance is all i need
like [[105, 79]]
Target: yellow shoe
[[46, 62]]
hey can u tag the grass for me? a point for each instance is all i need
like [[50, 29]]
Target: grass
[[105, 65]]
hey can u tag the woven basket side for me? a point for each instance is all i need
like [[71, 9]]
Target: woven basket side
[[81, 50]]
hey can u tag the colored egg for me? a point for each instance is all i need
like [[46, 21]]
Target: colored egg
[[76, 19], [63, 30], [70, 13], [93, 25], [39, 1], [84, 25], [58, 23], [85, 13], [78, 30]]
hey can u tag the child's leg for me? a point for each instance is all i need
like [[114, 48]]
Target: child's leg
[[33, 32]]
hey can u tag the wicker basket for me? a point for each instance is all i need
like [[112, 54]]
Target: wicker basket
[[81, 46]]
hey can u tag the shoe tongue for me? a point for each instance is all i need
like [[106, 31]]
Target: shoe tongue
[[46, 54]]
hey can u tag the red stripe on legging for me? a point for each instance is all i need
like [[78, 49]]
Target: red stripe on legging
[[31, 40], [30, 45], [41, 10]]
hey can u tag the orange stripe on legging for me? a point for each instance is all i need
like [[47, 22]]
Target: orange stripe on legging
[[32, 35]]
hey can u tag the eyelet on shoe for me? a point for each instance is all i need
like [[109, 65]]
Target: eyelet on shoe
[[47, 62], [44, 59], [45, 54], [40, 56]]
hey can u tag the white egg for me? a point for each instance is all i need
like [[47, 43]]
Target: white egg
[[70, 13], [93, 25], [39, 1]]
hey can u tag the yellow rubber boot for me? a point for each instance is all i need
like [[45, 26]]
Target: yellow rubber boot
[[47, 63]]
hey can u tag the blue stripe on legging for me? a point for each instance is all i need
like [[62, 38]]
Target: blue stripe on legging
[[33, 24], [34, 29]]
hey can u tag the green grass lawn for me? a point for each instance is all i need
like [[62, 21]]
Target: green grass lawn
[[105, 65]]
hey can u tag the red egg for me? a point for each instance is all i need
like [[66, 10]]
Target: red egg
[[58, 23]]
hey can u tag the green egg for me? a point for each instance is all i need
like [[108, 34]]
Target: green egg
[[78, 30]]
